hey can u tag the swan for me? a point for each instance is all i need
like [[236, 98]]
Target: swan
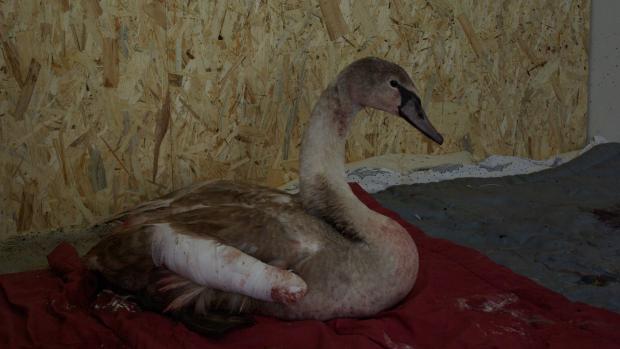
[[214, 253]]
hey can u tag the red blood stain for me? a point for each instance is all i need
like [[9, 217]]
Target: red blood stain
[[282, 295], [231, 255]]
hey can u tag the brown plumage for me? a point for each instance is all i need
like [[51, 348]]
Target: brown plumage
[[211, 252]]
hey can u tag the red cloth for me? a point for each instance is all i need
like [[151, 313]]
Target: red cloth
[[461, 300]]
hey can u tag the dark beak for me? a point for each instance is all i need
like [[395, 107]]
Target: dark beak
[[411, 110]]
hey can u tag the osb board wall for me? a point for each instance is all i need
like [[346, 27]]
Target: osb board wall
[[105, 103]]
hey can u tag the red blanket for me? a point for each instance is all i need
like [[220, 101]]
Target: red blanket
[[461, 300]]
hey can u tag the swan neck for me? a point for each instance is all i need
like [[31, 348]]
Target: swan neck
[[323, 186], [323, 143]]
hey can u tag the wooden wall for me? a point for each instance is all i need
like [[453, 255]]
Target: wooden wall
[[104, 103]]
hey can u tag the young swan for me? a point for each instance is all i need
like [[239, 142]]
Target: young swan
[[212, 251]]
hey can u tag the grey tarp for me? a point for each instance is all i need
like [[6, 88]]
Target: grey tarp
[[559, 227]]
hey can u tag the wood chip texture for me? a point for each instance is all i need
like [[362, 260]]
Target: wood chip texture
[[104, 103]]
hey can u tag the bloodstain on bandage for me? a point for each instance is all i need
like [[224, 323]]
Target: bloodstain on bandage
[[287, 296]]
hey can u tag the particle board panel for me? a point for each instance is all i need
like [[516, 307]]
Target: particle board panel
[[104, 103]]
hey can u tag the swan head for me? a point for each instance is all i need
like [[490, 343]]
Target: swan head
[[376, 83]]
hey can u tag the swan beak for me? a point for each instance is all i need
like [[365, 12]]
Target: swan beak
[[412, 111]]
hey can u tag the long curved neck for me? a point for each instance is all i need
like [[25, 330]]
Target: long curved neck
[[323, 187]]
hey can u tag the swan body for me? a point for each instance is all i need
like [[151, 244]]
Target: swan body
[[245, 249]]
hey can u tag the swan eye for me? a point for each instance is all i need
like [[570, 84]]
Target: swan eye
[[393, 83]]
